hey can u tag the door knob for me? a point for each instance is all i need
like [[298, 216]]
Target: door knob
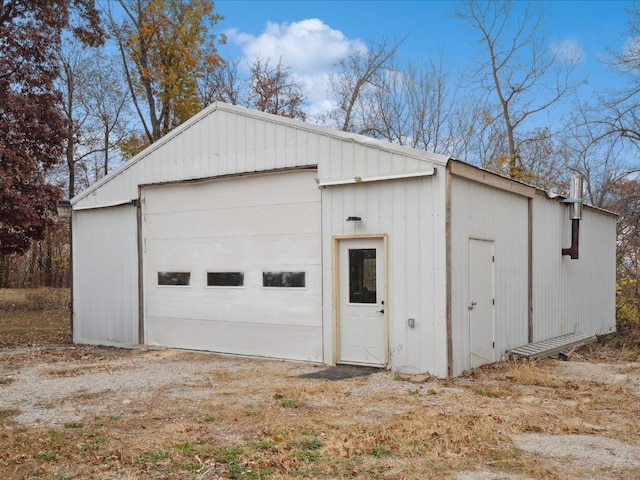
[[473, 304]]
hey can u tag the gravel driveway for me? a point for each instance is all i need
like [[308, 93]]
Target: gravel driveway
[[584, 422]]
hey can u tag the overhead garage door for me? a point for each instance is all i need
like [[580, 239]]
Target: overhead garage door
[[234, 265]]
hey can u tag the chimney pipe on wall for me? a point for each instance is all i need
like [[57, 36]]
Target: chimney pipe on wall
[[576, 199]]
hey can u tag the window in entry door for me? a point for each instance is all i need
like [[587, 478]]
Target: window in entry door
[[362, 275]]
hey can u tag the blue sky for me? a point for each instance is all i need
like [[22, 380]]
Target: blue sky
[[310, 35]]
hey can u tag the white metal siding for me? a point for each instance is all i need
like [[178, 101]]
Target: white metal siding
[[105, 275], [215, 143], [265, 222], [411, 213], [572, 295], [248, 224], [227, 140], [486, 213], [347, 159]]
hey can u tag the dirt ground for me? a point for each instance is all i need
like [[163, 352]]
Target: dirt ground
[[87, 412]]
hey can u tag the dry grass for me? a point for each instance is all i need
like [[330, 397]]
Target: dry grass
[[246, 419], [621, 346], [33, 299], [34, 317], [232, 422], [526, 372]]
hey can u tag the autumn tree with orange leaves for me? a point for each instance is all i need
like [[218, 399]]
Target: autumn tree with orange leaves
[[166, 46]]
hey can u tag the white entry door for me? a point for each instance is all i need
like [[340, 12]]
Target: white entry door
[[362, 333], [481, 302]]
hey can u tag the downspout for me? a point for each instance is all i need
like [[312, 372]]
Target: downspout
[[65, 211], [530, 272], [448, 272], [138, 204], [575, 199], [72, 288]]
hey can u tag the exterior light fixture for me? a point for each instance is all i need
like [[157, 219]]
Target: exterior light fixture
[[64, 209], [354, 219]]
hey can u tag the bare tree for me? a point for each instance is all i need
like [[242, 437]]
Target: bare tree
[[106, 101], [273, 89], [94, 102], [544, 163], [72, 61], [385, 108], [520, 73], [223, 84], [432, 97], [412, 105], [602, 159], [617, 113], [348, 87]]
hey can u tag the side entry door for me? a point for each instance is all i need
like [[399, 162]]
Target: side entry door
[[362, 322], [481, 302]]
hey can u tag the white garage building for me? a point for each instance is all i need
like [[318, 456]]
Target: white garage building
[[247, 233]]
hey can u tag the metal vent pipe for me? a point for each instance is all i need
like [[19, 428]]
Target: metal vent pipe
[[576, 199]]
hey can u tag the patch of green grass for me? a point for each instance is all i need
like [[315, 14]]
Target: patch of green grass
[[7, 380], [397, 377], [186, 448], [431, 391], [47, 456], [265, 444], [413, 391], [486, 392], [94, 443], [156, 456], [58, 437], [306, 456], [381, 451], [252, 413], [311, 444], [278, 396], [289, 403], [73, 425], [228, 454], [308, 450], [142, 457], [236, 468], [193, 467]]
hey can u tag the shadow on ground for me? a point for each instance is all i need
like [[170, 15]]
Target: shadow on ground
[[341, 372]]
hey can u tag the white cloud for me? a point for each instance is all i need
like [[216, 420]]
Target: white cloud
[[568, 51], [309, 47]]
